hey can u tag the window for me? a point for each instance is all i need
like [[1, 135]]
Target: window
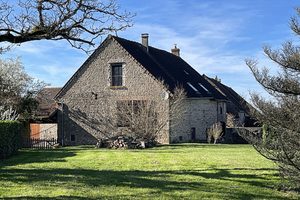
[[116, 75], [72, 138], [191, 86], [204, 88], [221, 110]]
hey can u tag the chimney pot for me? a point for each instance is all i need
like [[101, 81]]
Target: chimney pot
[[176, 51], [145, 41]]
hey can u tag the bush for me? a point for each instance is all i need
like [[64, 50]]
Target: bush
[[215, 132], [10, 138]]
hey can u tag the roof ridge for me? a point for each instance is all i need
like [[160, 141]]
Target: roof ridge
[[170, 53]]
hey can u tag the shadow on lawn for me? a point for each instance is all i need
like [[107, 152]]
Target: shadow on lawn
[[186, 147], [38, 156], [161, 182]]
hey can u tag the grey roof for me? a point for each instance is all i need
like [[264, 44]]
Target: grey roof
[[46, 101], [236, 102]]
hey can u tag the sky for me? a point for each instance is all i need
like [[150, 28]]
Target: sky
[[214, 36]]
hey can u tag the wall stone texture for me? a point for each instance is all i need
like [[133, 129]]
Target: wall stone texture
[[200, 114], [48, 131]]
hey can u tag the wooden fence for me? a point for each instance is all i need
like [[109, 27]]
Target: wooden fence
[[39, 143]]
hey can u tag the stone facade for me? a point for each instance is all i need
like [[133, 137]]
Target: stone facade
[[200, 114], [48, 131], [90, 97]]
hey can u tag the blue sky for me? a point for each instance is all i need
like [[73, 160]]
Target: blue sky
[[214, 36]]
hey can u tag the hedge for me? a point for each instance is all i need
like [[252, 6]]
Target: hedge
[[10, 138]]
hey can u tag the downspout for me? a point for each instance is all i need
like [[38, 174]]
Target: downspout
[[62, 123], [217, 110]]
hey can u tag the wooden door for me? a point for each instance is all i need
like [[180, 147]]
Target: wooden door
[[35, 131]]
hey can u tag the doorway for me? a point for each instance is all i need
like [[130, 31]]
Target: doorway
[[193, 134]]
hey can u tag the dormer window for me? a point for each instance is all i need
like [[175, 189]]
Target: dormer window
[[191, 86], [186, 72], [116, 74], [204, 88]]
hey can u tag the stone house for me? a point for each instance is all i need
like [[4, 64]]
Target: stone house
[[132, 71]]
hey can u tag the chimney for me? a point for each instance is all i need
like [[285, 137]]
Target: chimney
[[217, 79], [145, 37], [176, 51]]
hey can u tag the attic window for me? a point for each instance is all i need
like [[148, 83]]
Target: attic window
[[204, 88], [116, 74], [186, 72], [191, 86]]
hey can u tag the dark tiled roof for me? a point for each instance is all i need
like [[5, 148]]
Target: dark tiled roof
[[170, 68], [46, 101], [236, 102], [173, 70]]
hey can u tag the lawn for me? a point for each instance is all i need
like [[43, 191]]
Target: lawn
[[188, 171]]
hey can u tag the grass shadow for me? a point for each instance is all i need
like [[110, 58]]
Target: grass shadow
[[159, 181], [38, 156]]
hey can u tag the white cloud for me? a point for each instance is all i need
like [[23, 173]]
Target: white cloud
[[206, 44]]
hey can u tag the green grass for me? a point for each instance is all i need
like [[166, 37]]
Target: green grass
[[189, 171]]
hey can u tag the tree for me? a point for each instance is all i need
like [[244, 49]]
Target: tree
[[279, 140], [215, 132], [17, 89], [80, 22], [8, 114], [230, 120], [145, 119]]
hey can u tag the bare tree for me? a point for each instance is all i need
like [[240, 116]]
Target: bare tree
[[8, 113], [147, 118], [279, 140], [80, 22], [215, 132], [230, 120]]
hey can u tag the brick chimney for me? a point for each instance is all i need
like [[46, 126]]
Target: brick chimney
[[145, 42], [176, 51]]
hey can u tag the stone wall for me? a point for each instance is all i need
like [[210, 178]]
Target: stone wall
[[48, 131], [200, 114], [89, 98]]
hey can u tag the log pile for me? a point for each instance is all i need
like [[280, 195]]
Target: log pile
[[124, 142]]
